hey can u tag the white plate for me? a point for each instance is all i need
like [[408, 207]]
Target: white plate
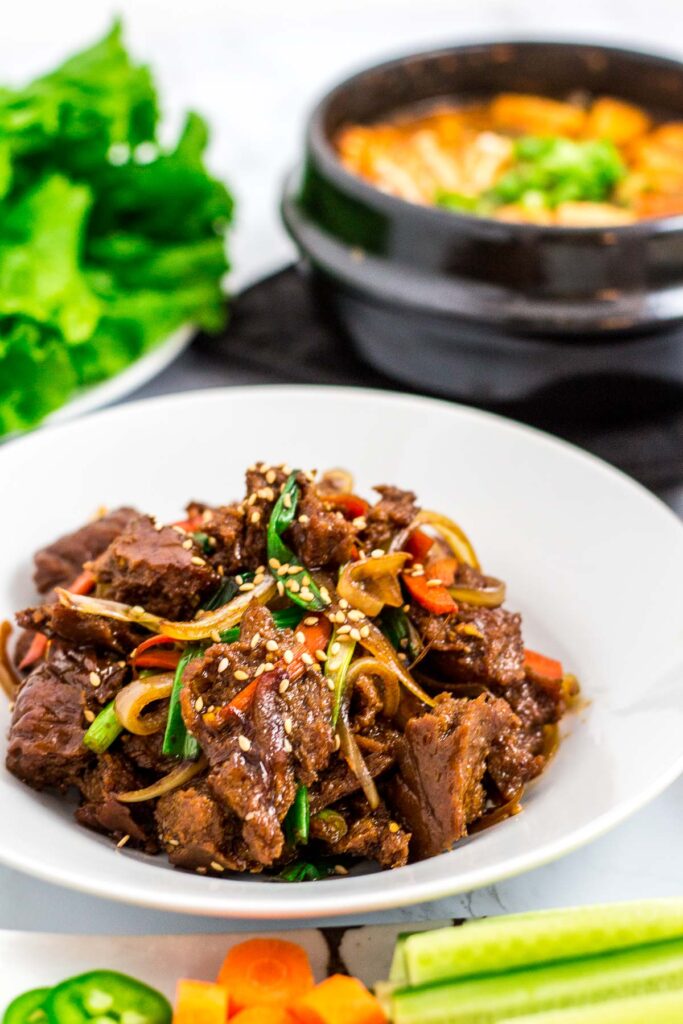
[[593, 561], [34, 960]]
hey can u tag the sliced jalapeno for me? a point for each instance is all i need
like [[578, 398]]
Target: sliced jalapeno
[[27, 1008], [106, 997]]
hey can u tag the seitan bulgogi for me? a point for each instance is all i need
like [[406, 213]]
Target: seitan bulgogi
[[289, 683]]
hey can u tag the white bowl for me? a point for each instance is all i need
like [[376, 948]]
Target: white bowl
[[593, 561]]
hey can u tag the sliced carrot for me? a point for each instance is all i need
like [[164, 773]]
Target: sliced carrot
[[539, 665], [159, 659], [350, 504], [338, 1000], [83, 584], [263, 1015], [189, 525], [435, 599], [262, 972], [443, 569], [419, 544], [200, 1002]]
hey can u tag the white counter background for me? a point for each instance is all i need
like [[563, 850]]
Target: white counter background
[[254, 69]]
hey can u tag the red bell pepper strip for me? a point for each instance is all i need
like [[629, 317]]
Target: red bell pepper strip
[[168, 660], [419, 544], [544, 668], [83, 584], [435, 599], [350, 504], [194, 523]]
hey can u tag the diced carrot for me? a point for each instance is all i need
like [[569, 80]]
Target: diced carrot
[[83, 584], [419, 544], [338, 1000], [262, 972], [435, 599], [443, 569], [350, 504], [200, 1002], [263, 1015], [539, 665]]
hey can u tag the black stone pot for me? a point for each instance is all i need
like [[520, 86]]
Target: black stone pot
[[473, 307]]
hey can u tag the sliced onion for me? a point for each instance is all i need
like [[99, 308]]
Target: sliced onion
[[338, 481], [498, 814], [372, 583], [181, 774], [377, 644], [490, 596], [201, 628], [454, 536], [9, 682], [133, 699], [355, 761], [374, 667]]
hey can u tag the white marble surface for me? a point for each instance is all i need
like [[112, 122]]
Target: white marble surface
[[255, 69]]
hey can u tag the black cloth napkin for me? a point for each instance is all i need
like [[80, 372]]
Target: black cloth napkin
[[278, 333]]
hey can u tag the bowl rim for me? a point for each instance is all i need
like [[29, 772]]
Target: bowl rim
[[326, 157]]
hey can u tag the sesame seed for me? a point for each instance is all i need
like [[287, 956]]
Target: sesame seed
[[268, 666], [435, 583], [283, 570], [287, 501], [122, 841], [280, 588], [240, 675], [394, 827], [200, 871], [255, 517], [199, 704], [272, 645], [342, 630], [311, 620], [306, 580], [255, 640], [337, 741], [289, 725], [304, 519], [180, 529], [377, 553], [340, 617], [307, 659], [89, 715], [284, 686], [294, 586], [306, 594], [271, 476], [196, 560], [173, 842], [215, 636], [330, 685], [289, 657], [223, 664], [335, 648], [320, 655], [216, 866], [355, 615], [300, 637], [355, 635], [339, 869], [274, 563], [343, 603], [246, 587], [287, 746], [187, 544], [360, 522], [250, 815], [364, 631], [293, 570], [325, 594], [221, 570], [137, 609], [251, 499], [245, 744], [259, 671], [94, 679], [207, 515], [406, 608]]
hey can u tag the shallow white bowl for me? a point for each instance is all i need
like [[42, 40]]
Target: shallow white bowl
[[592, 560]]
